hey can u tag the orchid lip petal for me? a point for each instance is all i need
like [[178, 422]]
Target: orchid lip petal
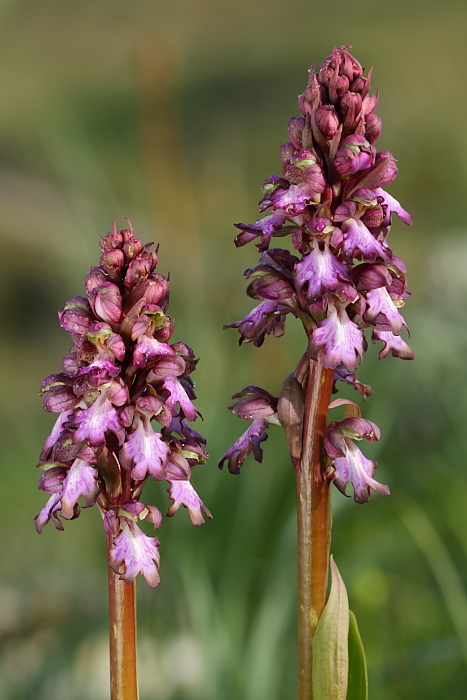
[[145, 452], [81, 480], [183, 493], [359, 470], [136, 553], [337, 340]]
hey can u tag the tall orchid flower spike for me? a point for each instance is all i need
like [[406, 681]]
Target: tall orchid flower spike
[[123, 400], [340, 278]]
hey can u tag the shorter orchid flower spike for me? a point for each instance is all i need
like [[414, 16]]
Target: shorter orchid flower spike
[[347, 463], [123, 401]]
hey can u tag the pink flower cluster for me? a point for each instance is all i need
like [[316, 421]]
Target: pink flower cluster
[[121, 374], [342, 277], [329, 199]]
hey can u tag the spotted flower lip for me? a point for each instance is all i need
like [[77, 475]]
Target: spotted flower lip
[[123, 399]]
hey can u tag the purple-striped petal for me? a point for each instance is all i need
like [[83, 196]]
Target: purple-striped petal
[[136, 552], [246, 443], [382, 313], [393, 344], [49, 511], [146, 348], [320, 272], [337, 340], [183, 493], [359, 242], [54, 435], [359, 470], [178, 395], [393, 205], [145, 452], [81, 480], [95, 420]]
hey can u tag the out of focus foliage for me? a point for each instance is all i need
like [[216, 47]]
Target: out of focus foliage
[[172, 113]]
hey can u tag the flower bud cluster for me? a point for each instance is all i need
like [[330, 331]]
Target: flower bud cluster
[[342, 276], [121, 374]]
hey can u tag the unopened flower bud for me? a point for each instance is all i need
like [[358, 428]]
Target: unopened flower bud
[[106, 302], [95, 277], [373, 127], [328, 121], [137, 269], [114, 239], [113, 261], [350, 107], [295, 128], [372, 277], [268, 283], [132, 247]]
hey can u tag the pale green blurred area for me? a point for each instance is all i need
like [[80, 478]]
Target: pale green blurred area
[[172, 114]]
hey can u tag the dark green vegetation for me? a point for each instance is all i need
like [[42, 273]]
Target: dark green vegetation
[[172, 114]]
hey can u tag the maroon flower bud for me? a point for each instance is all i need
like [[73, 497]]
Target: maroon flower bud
[[127, 233], [328, 121], [268, 283], [369, 104], [150, 290], [286, 152], [369, 276], [295, 128], [114, 239], [76, 316], [168, 366], [137, 269], [140, 327], [373, 217], [113, 261], [70, 364], [132, 247], [390, 170], [373, 127], [350, 107], [253, 403], [106, 302], [95, 277], [57, 392]]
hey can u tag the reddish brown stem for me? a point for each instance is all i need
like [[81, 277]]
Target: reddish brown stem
[[122, 638], [122, 620], [313, 520]]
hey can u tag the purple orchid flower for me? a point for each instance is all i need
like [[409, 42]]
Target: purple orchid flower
[[121, 374], [344, 279], [349, 464]]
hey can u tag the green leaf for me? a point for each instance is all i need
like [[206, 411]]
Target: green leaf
[[358, 678], [330, 644]]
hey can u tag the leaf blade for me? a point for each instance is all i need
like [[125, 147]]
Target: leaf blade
[[330, 644], [358, 677]]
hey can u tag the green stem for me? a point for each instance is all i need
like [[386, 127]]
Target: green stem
[[313, 520]]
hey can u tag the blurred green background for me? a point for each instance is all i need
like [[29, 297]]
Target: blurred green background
[[172, 113]]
